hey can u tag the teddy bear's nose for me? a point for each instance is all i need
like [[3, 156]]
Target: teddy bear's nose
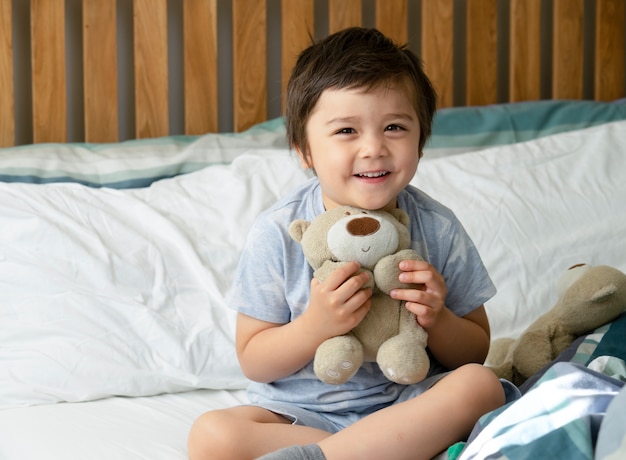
[[363, 226]]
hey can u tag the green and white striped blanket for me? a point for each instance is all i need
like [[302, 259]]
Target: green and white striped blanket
[[571, 412]]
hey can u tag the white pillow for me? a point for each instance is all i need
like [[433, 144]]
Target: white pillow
[[107, 292], [133, 163]]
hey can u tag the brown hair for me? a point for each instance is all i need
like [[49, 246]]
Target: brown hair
[[354, 58]]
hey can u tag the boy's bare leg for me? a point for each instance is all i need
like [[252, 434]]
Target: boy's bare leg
[[422, 427], [419, 428], [245, 433]]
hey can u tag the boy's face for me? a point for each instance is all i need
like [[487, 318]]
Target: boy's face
[[363, 145]]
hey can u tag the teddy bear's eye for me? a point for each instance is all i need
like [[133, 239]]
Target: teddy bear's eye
[[347, 213]]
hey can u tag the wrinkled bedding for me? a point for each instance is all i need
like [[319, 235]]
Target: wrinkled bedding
[[114, 272]]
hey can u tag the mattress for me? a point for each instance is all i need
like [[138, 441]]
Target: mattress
[[146, 428]]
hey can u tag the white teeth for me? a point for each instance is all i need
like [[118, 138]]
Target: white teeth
[[373, 174]]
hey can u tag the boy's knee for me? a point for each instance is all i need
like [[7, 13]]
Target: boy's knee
[[208, 436], [476, 384], [483, 384], [199, 438]]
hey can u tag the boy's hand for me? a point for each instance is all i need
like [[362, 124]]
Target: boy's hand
[[336, 306], [339, 303], [428, 303]]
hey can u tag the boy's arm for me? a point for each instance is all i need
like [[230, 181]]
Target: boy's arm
[[456, 340], [452, 339], [270, 351]]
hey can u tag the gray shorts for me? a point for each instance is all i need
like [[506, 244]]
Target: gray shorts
[[334, 422]]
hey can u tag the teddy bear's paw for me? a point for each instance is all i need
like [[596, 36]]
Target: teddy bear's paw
[[403, 377], [338, 359], [340, 374], [335, 375], [403, 363]]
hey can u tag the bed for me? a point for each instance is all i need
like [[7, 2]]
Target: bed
[[141, 138]]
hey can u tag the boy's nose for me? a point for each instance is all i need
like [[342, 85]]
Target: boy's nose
[[373, 146]]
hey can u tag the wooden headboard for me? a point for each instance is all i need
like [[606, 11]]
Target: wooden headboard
[[110, 70]]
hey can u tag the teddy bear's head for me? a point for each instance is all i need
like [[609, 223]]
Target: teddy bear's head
[[346, 233], [590, 296]]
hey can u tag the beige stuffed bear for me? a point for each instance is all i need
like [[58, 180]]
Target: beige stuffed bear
[[389, 334], [589, 297]]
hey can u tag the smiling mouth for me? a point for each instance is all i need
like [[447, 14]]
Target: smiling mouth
[[372, 175], [366, 250]]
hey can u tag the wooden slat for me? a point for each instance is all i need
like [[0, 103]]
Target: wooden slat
[[48, 68], [151, 76], [100, 71], [481, 63], [437, 44], [567, 55], [102, 116], [200, 56], [250, 67], [609, 50], [391, 19], [7, 114], [525, 50], [297, 32], [343, 13]]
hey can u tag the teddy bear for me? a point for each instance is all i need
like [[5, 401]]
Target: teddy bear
[[588, 297], [389, 334]]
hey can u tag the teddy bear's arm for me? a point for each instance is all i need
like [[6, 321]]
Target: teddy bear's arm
[[561, 340], [326, 269], [330, 266], [387, 271]]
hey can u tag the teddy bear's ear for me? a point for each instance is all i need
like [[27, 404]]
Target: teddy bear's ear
[[603, 293], [401, 216], [297, 229]]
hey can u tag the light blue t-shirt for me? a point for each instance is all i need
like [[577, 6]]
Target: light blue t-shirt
[[272, 283]]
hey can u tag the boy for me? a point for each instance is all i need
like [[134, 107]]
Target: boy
[[359, 110]]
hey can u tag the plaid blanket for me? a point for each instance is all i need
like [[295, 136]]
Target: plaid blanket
[[559, 418], [562, 410]]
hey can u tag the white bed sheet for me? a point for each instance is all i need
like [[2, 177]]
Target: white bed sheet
[[117, 428]]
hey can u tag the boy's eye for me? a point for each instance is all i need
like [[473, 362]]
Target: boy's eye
[[346, 131], [394, 128]]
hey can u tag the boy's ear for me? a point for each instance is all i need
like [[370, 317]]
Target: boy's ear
[[304, 161]]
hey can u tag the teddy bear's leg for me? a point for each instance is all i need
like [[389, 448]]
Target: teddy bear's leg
[[403, 358], [499, 351], [533, 350], [503, 370], [338, 359]]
